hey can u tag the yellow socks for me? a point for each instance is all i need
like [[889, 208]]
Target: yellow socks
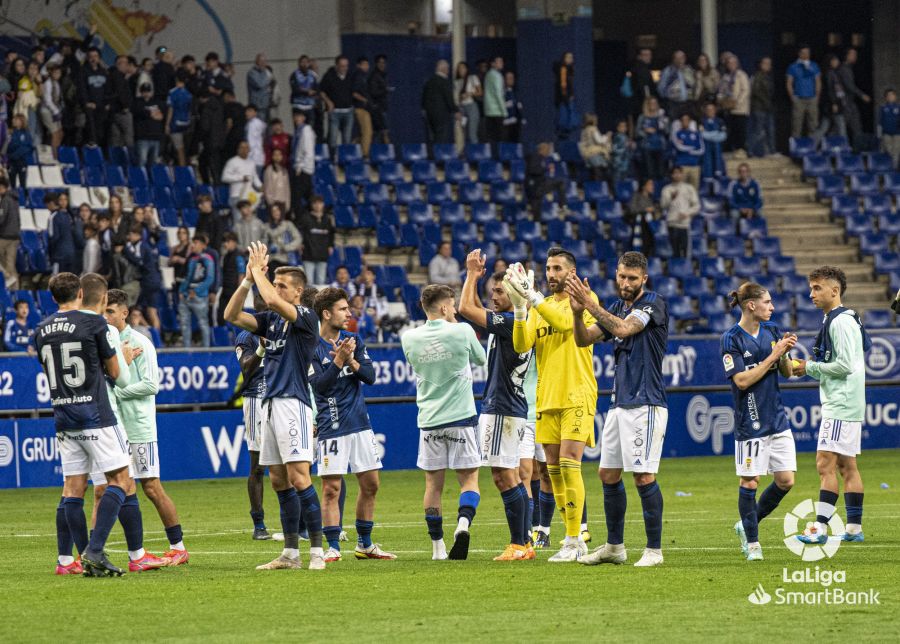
[[570, 473], [559, 489]]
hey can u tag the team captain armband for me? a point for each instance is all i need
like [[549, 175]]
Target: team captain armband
[[638, 314]]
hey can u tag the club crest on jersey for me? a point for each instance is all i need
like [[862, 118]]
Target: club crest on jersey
[[497, 319], [728, 361]]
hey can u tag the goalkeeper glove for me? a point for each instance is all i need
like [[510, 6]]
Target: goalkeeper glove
[[523, 283]]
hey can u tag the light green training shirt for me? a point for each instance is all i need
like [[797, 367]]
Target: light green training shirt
[[530, 386], [441, 353], [124, 376], [137, 400], [842, 380], [494, 94]]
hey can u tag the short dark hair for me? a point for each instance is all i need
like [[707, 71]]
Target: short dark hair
[[746, 292], [117, 296], [362, 59], [556, 251], [18, 302], [243, 203], [296, 273], [4, 182], [803, 45], [229, 236], [316, 198], [380, 57], [51, 198], [327, 298], [633, 259], [340, 267], [434, 293], [64, 287], [137, 229], [203, 199], [307, 299], [889, 90], [201, 237], [93, 288], [830, 273], [339, 58], [498, 276], [674, 168], [212, 56]]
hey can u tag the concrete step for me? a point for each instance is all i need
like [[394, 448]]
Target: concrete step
[[808, 238], [808, 219], [839, 255], [788, 194]]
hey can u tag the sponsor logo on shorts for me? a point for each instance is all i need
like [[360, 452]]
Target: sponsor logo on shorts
[[444, 438]]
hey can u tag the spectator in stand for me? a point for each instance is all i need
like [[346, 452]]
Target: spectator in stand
[[706, 79], [466, 88], [178, 259], [443, 267], [121, 97], [210, 134], [233, 266], [125, 275], [249, 228], [178, 115], [302, 165], [105, 235], [564, 96], [51, 107], [362, 103], [19, 151], [379, 90], [210, 222], [680, 202], [28, 99], [195, 289], [734, 99], [305, 90], [282, 238], [804, 86], [642, 85], [149, 126], [364, 323], [61, 246], [278, 140], [622, 151], [543, 176], [495, 102], [146, 259], [261, 86], [138, 323], [215, 78], [650, 132], [277, 182], [18, 334], [689, 149], [744, 195], [676, 85], [833, 101], [10, 230], [762, 111], [336, 89], [640, 213], [888, 126], [92, 255], [163, 73], [144, 75], [515, 118], [851, 93], [235, 123], [375, 300], [714, 133], [93, 95], [342, 280], [77, 229], [594, 147], [317, 231], [255, 135], [242, 179], [438, 105]]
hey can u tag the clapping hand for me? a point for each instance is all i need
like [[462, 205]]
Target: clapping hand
[[343, 351], [475, 262], [579, 293]]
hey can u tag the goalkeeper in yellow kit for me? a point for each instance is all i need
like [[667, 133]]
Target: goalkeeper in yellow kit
[[566, 389]]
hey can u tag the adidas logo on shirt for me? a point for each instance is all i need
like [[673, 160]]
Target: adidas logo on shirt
[[747, 354], [435, 351]]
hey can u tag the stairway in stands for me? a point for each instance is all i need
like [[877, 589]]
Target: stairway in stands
[[807, 232]]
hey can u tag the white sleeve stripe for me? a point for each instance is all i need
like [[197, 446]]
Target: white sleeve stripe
[[642, 316]]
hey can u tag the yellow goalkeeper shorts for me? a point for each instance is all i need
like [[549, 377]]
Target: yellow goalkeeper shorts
[[572, 423]]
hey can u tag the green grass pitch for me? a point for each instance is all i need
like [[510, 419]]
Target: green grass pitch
[[699, 594]]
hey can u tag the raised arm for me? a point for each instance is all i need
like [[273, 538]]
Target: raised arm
[[470, 306], [258, 267], [613, 324], [234, 310]]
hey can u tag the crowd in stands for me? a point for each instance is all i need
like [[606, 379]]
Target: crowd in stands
[[139, 128]]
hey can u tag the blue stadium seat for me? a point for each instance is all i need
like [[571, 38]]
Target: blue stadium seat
[[68, 156], [412, 152], [625, 189], [515, 212], [348, 153], [142, 196], [873, 244], [184, 196], [432, 233], [749, 267], [864, 184], [407, 192], [222, 336], [766, 246], [594, 190], [498, 232], [517, 170], [490, 171], [830, 185], [605, 251], [577, 247], [94, 176], [712, 267], [503, 192], [667, 287], [843, 205], [322, 152], [712, 306], [816, 165], [514, 251], [889, 224], [395, 276], [782, 301], [387, 214], [115, 176], [681, 308], [137, 177], [161, 176], [711, 206], [878, 319], [850, 164], [353, 259], [470, 192], [324, 173], [591, 230], [439, 192], [510, 152], [753, 227], [189, 216], [809, 320], [456, 171], [357, 172], [387, 237], [721, 322], [608, 210], [892, 183], [680, 267], [162, 197], [621, 232], [835, 144], [410, 235], [476, 152], [483, 211], [71, 175], [793, 283], [92, 155], [346, 194], [344, 217], [857, 224], [444, 152], [168, 217], [694, 285], [721, 227], [367, 215], [780, 266], [801, 146], [381, 152], [877, 205], [579, 211], [464, 232], [46, 303], [558, 231], [723, 285], [390, 172], [887, 262], [420, 212], [803, 303], [452, 213], [424, 171], [376, 193], [879, 162]]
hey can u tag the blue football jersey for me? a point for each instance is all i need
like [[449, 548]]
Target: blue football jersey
[[339, 394], [638, 377], [759, 410], [17, 337], [290, 347], [72, 347], [255, 385], [504, 392]]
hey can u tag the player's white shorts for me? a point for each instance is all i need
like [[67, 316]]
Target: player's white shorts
[[632, 438], [454, 448], [840, 436], [528, 447], [103, 449], [761, 456], [500, 438], [144, 460], [287, 434], [253, 423], [357, 451]]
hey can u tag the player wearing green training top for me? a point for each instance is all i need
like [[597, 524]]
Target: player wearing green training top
[[441, 352], [840, 368]]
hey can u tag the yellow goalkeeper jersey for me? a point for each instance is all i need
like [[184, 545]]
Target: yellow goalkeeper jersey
[[565, 371]]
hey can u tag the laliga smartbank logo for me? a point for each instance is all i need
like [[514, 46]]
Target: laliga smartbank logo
[[813, 586]]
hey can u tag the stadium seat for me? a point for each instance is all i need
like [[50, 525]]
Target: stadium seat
[[353, 259], [424, 171], [346, 194], [410, 235], [667, 287], [594, 190], [432, 233], [887, 262], [766, 246], [625, 189], [864, 184], [748, 267], [348, 153], [528, 231], [93, 176], [892, 183], [68, 156], [367, 215], [387, 214], [464, 232], [857, 224], [878, 319], [816, 165], [514, 251], [605, 251], [793, 283], [681, 308], [490, 171], [161, 176], [119, 155], [324, 173], [168, 217], [871, 243], [780, 266], [344, 217], [850, 164], [452, 213], [376, 193], [381, 152], [456, 171], [412, 152], [723, 285], [809, 320], [558, 231], [71, 175], [483, 211], [184, 196], [720, 322], [470, 192], [498, 232], [801, 146], [407, 192], [420, 212], [710, 306], [322, 152], [395, 276], [357, 172], [438, 192], [92, 156], [517, 170], [475, 152], [443, 153], [115, 176], [141, 196], [680, 267], [879, 162], [730, 246], [137, 177], [712, 267], [721, 227], [889, 224], [608, 210], [387, 237], [503, 192], [782, 301], [835, 144], [390, 172], [877, 205], [843, 205], [162, 197], [830, 185]]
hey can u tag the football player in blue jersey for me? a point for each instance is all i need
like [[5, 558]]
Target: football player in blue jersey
[[753, 354], [504, 407], [290, 332], [339, 369], [638, 325]]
